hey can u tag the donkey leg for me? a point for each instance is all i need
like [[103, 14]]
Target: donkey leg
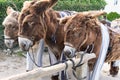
[[29, 62], [114, 68]]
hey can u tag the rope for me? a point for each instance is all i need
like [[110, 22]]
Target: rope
[[33, 59], [65, 61]]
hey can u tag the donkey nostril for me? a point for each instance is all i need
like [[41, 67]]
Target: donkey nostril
[[8, 44], [23, 45], [67, 53]]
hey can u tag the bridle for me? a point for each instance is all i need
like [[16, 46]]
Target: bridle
[[11, 38], [68, 44]]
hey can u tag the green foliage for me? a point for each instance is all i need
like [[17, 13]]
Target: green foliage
[[112, 16], [4, 5], [79, 5]]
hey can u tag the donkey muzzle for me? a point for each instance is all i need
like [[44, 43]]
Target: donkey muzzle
[[9, 43], [24, 43], [69, 51]]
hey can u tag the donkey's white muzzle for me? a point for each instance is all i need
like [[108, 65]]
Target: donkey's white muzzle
[[24, 43], [69, 51], [9, 43]]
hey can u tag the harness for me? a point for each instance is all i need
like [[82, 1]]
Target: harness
[[14, 38]]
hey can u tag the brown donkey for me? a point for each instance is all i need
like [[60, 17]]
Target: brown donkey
[[11, 33], [11, 27], [83, 33]]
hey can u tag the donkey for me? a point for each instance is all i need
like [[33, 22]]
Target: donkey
[[11, 27], [83, 33], [11, 33]]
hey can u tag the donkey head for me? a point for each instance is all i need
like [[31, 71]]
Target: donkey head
[[11, 27], [32, 23], [80, 31]]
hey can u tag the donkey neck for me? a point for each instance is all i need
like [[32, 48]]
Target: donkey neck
[[54, 29], [52, 25]]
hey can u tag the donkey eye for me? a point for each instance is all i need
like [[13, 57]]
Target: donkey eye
[[13, 28], [9, 25], [76, 34], [32, 38], [31, 23]]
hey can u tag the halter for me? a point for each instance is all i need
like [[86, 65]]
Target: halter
[[68, 44], [14, 38], [31, 38]]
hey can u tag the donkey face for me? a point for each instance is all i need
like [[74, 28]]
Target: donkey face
[[11, 27], [73, 39], [30, 31], [32, 25], [80, 30]]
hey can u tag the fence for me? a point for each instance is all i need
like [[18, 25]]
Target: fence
[[47, 71]]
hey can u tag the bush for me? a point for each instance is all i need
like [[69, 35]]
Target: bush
[[78, 5], [112, 16], [5, 4]]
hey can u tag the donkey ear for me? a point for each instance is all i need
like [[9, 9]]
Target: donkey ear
[[27, 4], [94, 14], [42, 5], [9, 10], [63, 20]]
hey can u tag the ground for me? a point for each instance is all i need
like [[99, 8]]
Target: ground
[[12, 65]]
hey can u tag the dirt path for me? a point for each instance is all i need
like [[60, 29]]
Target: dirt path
[[11, 65]]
